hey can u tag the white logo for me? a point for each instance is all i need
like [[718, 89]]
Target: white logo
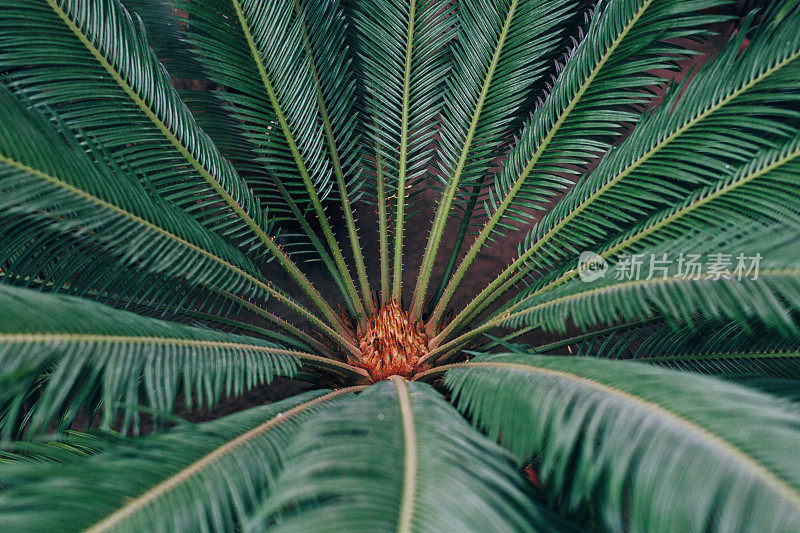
[[591, 266]]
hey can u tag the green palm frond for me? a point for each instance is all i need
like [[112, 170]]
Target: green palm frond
[[499, 55], [737, 197], [16, 457], [750, 354], [67, 354], [163, 27], [19, 458], [52, 190], [605, 79], [402, 57], [228, 132], [647, 448], [138, 485], [273, 87], [740, 366], [701, 335], [706, 121], [104, 47], [158, 138], [397, 475], [732, 200], [49, 182], [324, 31], [758, 82], [771, 296]]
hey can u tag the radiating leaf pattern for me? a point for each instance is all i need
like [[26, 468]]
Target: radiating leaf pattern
[[183, 192]]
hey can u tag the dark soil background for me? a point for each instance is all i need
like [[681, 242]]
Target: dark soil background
[[489, 264]]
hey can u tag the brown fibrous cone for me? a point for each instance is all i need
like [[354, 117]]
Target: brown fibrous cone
[[392, 343]]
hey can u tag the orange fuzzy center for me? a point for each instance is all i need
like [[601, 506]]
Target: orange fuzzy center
[[392, 343]]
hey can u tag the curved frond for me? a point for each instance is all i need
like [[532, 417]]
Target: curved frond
[[770, 296], [386, 461], [48, 181], [156, 134], [659, 337], [163, 27], [166, 477], [402, 65], [65, 214], [648, 449], [730, 350], [737, 198], [79, 356], [324, 36], [269, 84], [61, 448], [736, 366], [223, 125], [499, 54], [737, 114], [600, 90], [739, 110]]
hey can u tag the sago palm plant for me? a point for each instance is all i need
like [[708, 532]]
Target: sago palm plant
[[179, 178]]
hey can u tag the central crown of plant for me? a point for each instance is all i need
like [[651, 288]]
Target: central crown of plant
[[392, 343]]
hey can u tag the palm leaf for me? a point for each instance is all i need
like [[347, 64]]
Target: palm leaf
[[137, 485], [740, 366], [769, 298], [46, 173], [736, 198], [650, 449], [61, 448], [499, 55], [757, 85], [157, 135], [395, 475], [603, 83], [102, 45], [221, 122], [163, 27], [82, 355], [750, 354], [269, 83], [324, 36], [113, 227], [402, 65], [659, 337], [649, 172]]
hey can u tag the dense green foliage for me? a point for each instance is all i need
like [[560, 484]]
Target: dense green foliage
[[177, 176]]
